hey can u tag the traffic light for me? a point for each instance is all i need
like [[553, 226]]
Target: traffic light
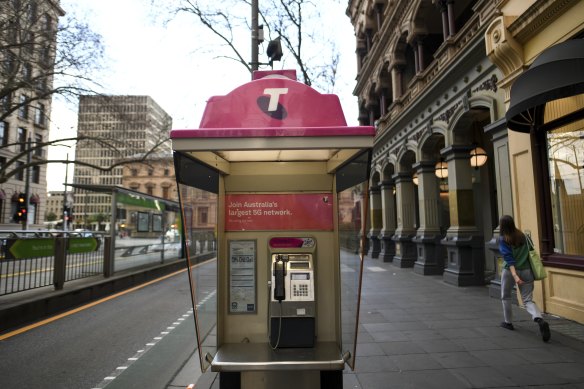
[[21, 208]]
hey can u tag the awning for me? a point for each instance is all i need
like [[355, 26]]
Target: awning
[[558, 72], [2, 194], [34, 199]]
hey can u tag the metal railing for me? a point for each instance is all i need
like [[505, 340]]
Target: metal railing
[[35, 259]]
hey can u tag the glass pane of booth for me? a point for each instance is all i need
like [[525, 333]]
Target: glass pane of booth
[[352, 194], [200, 226], [198, 187]]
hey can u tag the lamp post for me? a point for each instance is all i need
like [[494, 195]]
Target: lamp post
[[65, 207], [254, 35], [27, 183]]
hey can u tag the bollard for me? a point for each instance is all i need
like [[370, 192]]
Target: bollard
[[60, 262], [108, 263]]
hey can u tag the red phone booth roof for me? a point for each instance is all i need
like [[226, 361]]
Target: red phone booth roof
[[273, 106]]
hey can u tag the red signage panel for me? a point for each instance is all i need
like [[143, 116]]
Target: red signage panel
[[279, 212]]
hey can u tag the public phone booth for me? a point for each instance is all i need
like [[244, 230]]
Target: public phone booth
[[277, 184]]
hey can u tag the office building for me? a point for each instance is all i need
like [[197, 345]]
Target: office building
[[113, 129], [27, 50]]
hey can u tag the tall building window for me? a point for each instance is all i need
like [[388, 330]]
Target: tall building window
[[203, 215], [5, 103], [38, 140], [23, 107], [134, 172], [3, 133], [166, 172], [27, 72], [165, 192], [20, 174], [36, 174], [39, 115], [150, 172], [21, 138]]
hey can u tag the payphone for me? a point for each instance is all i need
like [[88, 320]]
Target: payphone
[[292, 307], [276, 180]]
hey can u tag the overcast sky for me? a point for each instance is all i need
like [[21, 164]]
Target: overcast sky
[[144, 57]]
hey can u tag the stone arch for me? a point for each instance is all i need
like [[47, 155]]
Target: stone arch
[[375, 177], [387, 170]]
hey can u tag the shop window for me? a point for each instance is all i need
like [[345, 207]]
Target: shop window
[[565, 147]]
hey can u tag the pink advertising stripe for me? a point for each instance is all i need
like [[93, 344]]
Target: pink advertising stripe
[[273, 132]]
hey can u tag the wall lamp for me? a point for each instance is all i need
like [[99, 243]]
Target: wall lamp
[[441, 170], [478, 157]]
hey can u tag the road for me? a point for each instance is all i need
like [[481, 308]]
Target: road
[[97, 345]]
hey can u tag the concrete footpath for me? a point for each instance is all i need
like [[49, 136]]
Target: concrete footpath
[[416, 332], [419, 332]]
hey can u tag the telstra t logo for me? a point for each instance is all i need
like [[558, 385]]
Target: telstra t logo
[[270, 104]]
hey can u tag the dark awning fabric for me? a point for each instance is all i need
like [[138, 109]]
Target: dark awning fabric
[[2, 194], [556, 73]]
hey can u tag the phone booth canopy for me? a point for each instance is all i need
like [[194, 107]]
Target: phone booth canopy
[[273, 189]]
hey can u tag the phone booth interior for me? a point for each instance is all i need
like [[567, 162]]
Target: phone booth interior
[[276, 183]]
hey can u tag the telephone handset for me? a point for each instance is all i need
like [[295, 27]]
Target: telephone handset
[[279, 277]]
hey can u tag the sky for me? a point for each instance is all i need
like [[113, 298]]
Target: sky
[[143, 56]]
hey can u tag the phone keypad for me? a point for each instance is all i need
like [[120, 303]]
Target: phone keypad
[[300, 290]]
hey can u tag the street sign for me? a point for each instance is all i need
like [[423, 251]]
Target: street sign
[[45, 247], [30, 248], [82, 245]]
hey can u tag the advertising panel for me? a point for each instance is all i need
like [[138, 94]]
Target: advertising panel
[[273, 212]]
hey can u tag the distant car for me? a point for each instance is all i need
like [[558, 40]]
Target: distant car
[[171, 235], [82, 233]]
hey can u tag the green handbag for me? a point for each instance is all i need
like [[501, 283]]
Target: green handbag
[[537, 267]]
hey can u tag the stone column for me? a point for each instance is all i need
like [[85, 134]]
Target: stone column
[[451, 18], [430, 253], [442, 6], [396, 81], [420, 50], [376, 224], [464, 244], [388, 220], [405, 249]]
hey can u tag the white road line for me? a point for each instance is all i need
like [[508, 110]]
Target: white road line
[[141, 352]]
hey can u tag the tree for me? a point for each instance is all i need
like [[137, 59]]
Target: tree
[[297, 23], [50, 217], [42, 60]]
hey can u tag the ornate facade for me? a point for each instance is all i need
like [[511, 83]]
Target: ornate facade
[[434, 77], [427, 85]]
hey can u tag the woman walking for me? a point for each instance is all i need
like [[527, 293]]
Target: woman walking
[[517, 270]]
